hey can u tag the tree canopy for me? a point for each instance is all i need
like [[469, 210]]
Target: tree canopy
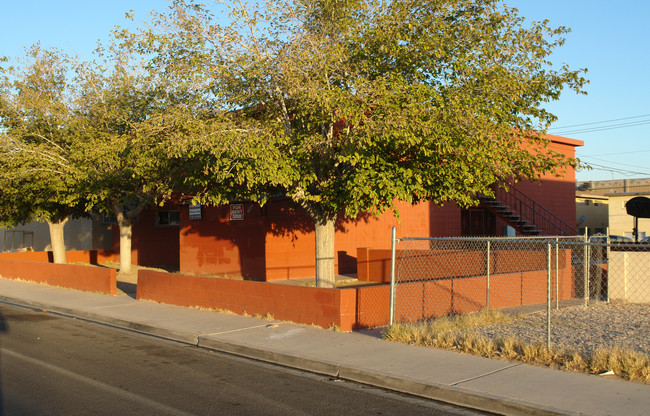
[[372, 101], [344, 106], [39, 176]]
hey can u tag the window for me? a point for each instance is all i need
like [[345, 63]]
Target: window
[[168, 218]]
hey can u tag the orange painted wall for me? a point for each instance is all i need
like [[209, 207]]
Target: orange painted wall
[[322, 307], [373, 265], [94, 279], [216, 245], [556, 193], [350, 308], [73, 256], [152, 245], [440, 297], [276, 241]]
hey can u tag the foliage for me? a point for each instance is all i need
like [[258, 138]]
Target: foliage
[[376, 101], [38, 174], [351, 105], [119, 111]]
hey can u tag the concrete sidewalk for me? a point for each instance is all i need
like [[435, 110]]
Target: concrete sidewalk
[[490, 385]]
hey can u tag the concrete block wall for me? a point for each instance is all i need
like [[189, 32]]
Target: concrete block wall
[[308, 305], [73, 276]]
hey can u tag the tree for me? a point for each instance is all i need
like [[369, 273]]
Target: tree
[[128, 118], [38, 175], [373, 101]]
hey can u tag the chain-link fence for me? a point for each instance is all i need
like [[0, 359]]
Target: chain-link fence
[[568, 289]]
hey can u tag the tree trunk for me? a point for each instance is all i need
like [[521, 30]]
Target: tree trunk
[[57, 240], [325, 276], [125, 223], [126, 229]]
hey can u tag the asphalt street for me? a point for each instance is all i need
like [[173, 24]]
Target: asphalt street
[[53, 365]]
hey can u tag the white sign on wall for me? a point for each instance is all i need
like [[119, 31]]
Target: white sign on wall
[[195, 212], [236, 212]]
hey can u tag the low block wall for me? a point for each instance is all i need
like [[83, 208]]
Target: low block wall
[[72, 256], [351, 308], [73, 276], [308, 305], [373, 265], [425, 299]]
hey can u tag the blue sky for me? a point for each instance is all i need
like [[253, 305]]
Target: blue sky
[[611, 39]]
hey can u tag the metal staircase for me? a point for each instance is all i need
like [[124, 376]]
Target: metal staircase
[[524, 214]]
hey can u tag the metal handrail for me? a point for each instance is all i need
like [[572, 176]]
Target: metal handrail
[[529, 209]]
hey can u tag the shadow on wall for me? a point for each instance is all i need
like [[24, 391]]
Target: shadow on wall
[[219, 244]]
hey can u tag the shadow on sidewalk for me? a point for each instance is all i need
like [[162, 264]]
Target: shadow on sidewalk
[[127, 288]]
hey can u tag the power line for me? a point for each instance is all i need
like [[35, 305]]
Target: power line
[[616, 163], [603, 128], [598, 122], [618, 153], [614, 170]]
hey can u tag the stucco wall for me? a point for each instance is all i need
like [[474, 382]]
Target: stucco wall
[[79, 234], [277, 241], [620, 223], [629, 278]]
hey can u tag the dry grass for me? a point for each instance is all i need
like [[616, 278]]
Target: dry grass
[[454, 333]]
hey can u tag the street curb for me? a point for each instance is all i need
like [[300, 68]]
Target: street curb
[[114, 322], [443, 393], [448, 394], [285, 360]]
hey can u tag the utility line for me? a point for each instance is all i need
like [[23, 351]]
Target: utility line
[[618, 153], [603, 128], [598, 122], [615, 163], [621, 171]]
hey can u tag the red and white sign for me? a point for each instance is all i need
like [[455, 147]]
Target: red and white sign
[[236, 212]]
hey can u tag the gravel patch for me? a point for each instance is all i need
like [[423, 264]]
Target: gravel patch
[[585, 329]]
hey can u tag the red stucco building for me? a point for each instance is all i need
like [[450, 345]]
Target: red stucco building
[[276, 242]]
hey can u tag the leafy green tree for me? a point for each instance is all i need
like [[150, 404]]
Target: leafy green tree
[[128, 118], [373, 101], [38, 175]]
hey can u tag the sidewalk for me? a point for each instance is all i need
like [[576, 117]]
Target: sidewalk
[[490, 385]]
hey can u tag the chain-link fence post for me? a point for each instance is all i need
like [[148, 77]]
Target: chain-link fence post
[[587, 264], [608, 262], [393, 241], [548, 295], [487, 274], [557, 273]]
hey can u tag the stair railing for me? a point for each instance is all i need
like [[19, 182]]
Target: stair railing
[[532, 212]]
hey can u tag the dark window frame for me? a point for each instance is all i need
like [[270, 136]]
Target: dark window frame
[[171, 218]]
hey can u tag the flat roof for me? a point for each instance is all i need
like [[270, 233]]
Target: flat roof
[[565, 140], [626, 194], [591, 196]]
